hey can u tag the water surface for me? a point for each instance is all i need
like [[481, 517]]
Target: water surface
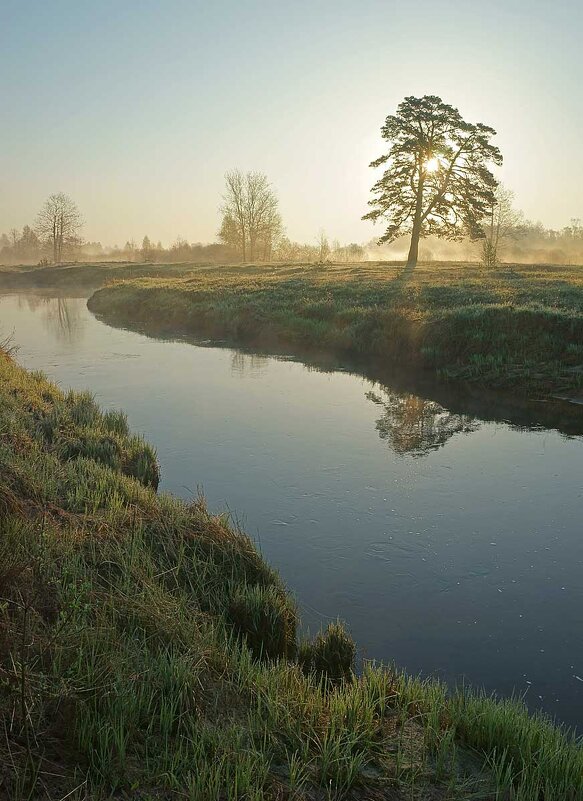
[[450, 544]]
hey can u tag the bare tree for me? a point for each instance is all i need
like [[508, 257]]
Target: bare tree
[[251, 220], [271, 232], [262, 213], [502, 222], [230, 234], [234, 227], [58, 223], [323, 247]]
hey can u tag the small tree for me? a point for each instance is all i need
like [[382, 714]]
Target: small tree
[[437, 180], [250, 217], [347, 253], [270, 233], [130, 249], [260, 208], [146, 248], [28, 246], [502, 222], [323, 247], [574, 230], [234, 224], [58, 223]]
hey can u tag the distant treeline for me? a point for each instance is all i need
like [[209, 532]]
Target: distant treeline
[[25, 247], [527, 243]]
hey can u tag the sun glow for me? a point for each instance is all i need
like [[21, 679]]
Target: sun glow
[[432, 165]]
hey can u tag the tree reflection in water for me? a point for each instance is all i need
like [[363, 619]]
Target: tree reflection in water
[[248, 364], [62, 319], [416, 426]]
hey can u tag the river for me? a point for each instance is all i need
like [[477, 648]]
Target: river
[[449, 543]]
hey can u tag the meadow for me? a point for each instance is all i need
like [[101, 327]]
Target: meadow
[[518, 327], [76, 278], [147, 650]]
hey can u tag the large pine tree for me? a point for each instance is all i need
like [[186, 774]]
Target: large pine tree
[[437, 179]]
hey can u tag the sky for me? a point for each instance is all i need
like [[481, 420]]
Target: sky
[[136, 108]]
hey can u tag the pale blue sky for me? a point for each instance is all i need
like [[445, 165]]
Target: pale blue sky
[[136, 109]]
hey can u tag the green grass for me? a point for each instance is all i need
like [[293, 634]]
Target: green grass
[[518, 327], [147, 651], [72, 278]]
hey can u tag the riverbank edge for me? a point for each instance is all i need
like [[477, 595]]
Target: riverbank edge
[[146, 644], [78, 277], [468, 346]]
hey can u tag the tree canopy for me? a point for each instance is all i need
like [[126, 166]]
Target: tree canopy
[[437, 180]]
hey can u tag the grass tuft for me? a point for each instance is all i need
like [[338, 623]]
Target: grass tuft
[[267, 620], [330, 655]]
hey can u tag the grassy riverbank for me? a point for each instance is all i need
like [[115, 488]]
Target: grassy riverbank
[[518, 327], [147, 650], [80, 278]]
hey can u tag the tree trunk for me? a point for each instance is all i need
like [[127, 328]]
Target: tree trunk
[[417, 221], [414, 247]]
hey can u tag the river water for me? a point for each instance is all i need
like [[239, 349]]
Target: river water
[[449, 543]]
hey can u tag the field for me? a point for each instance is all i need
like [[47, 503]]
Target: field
[[147, 650], [517, 327], [79, 278]]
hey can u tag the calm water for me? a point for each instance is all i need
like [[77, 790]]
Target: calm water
[[451, 545]]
